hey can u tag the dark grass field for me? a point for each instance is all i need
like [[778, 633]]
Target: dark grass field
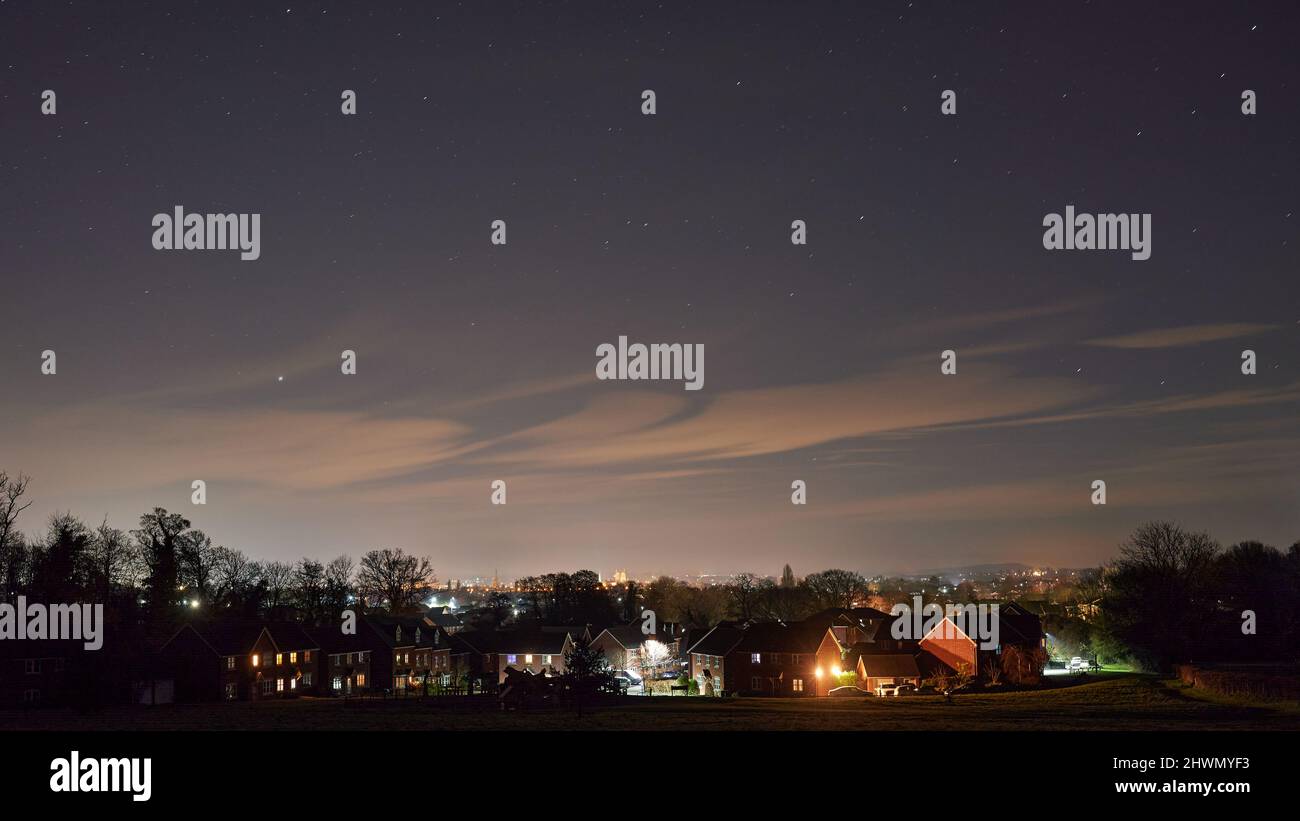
[[1119, 703]]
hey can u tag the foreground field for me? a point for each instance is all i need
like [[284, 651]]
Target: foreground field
[[1123, 703]]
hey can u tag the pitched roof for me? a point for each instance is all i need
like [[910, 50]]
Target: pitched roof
[[1024, 626], [228, 637], [628, 636], [890, 665], [441, 618], [290, 635], [868, 648], [719, 641], [843, 615], [236, 637], [513, 641], [778, 637], [398, 631], [378, 631]]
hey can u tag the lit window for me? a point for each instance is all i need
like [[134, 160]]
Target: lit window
[[546, 659], [230, 662], [306, 656], [279, 685], [797, 685], [306, 679], [279, 659], [293, 658], [528, 659], [511, 658], [256, 659], [338, 682], [361, 679], [293, 684], [756, 657]]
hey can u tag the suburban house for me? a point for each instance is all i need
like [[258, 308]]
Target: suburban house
[[240, 660], [386, 653], [854, 625], [948, 642], [768, 658], [622, 646], [443, 617], [886, 669], [421, 653], [488, 653], [708, 658]]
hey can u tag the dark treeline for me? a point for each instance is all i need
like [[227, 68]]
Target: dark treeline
[[1172, 596], [1175, 596], [166, 570]]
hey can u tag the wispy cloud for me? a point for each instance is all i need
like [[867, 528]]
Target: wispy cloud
[[1183, 336]]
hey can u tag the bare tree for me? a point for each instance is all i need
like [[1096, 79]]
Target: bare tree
[[235, 581], [309, 587], [836, 588], [11, 504], [339, 586], [12, 549], [393, 577], [744, 593], [197, 560], [277, 577], [110, 561]]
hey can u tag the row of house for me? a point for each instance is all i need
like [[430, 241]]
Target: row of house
[[807, 658], [249, 660], [236, 660]]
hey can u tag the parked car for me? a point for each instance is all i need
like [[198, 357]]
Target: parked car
[[1077, 664], [903, 689], [847, 690]]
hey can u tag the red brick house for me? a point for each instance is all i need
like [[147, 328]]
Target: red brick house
[[386, 654], [488, 653], [1017, 628], [768, 658], [241, 660]]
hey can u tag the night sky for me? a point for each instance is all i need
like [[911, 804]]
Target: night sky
[[476, 362]]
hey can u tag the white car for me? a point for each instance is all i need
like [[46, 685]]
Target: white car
[[895, 689], [1077, 663]]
